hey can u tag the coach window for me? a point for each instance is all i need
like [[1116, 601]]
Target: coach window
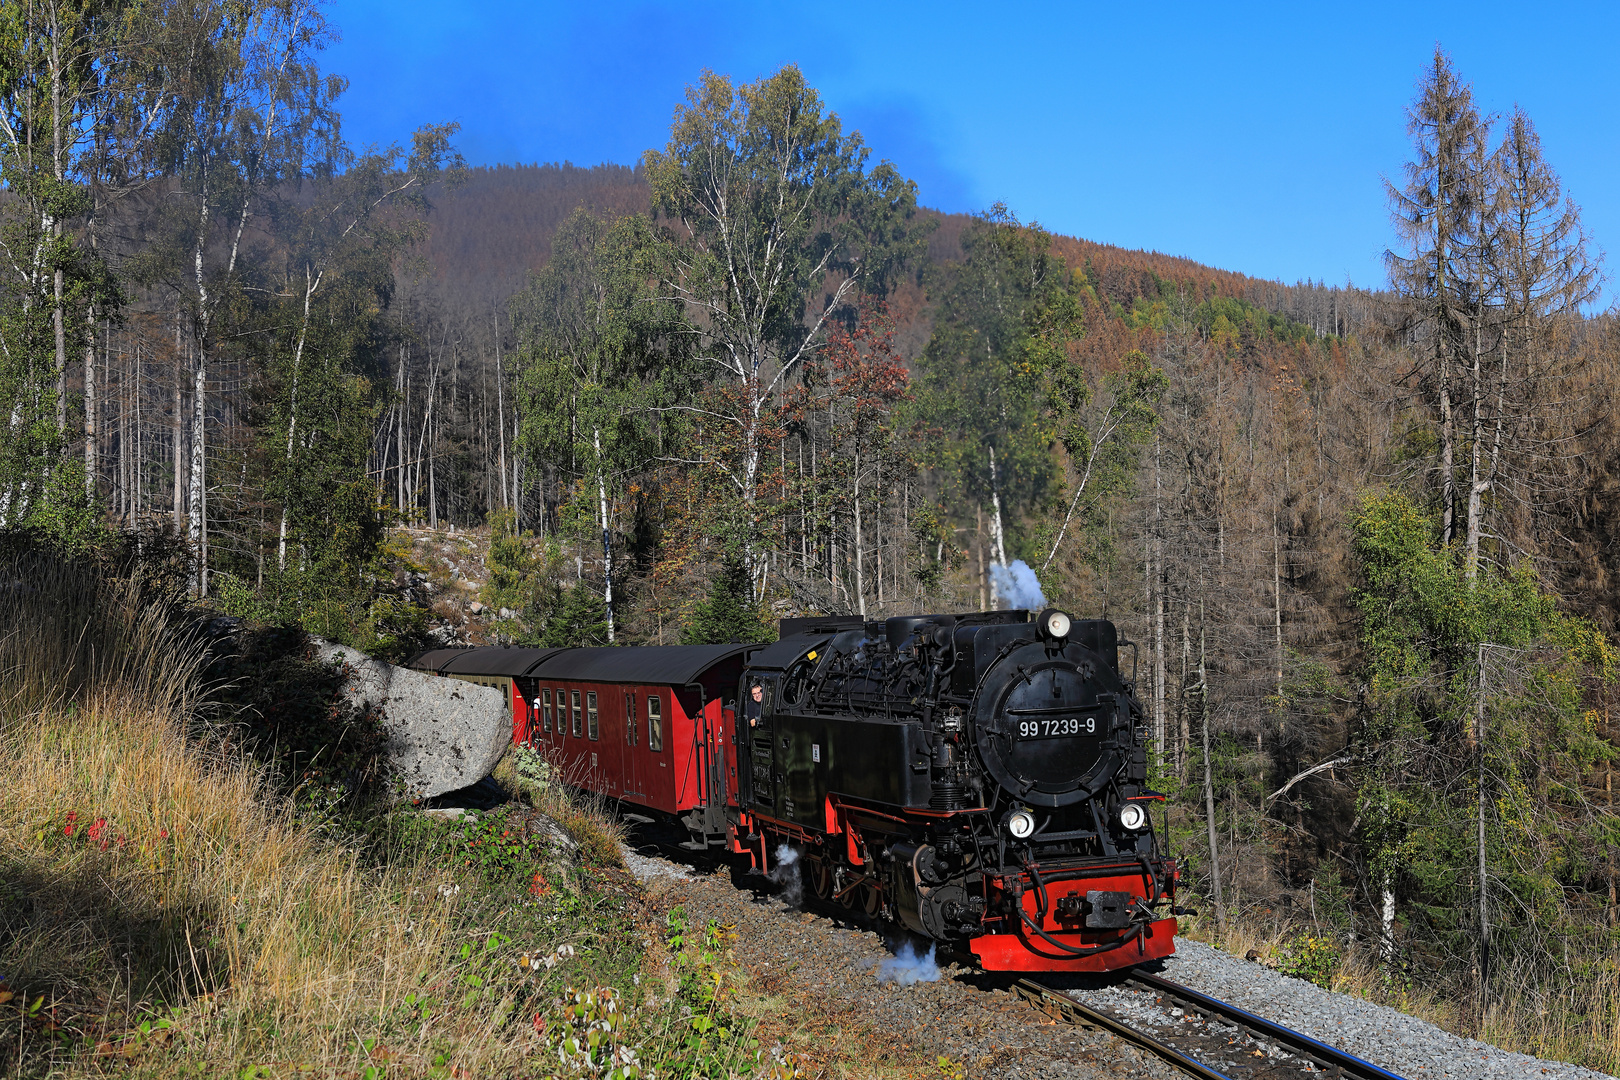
[[630, 717], [655, 722], [590, 715], [545, 709], [573, 712]]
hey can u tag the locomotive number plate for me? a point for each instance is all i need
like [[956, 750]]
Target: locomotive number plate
[[1057, 727]]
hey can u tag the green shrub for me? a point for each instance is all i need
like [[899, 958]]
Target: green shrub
[[1312, 958]]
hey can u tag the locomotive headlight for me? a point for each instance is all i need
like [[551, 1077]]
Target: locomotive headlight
[[1132, 816], [1021, 824], [1056, 624]]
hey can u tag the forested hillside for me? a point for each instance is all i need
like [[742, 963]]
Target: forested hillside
[[1363, 541]]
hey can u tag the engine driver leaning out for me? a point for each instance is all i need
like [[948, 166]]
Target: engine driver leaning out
[[752, 707]]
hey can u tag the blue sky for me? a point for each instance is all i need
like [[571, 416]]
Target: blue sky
[[1251, 137]]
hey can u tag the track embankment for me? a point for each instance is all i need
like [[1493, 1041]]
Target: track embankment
[[842, 983]]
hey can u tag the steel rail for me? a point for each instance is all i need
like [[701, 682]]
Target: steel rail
[[1332, 1061], [1091, 1017], [1329, 1058]]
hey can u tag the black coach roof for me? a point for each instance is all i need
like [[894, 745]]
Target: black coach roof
[[497, 660], [435, 659], [670, 665]]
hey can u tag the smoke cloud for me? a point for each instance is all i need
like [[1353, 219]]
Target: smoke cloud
[[908, 966], [1016, 586], [785, 876]]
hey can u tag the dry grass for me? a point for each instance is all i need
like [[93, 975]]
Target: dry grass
[[148, 879], [1579, 1022]]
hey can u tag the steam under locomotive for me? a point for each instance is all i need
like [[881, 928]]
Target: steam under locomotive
[[977, 778]]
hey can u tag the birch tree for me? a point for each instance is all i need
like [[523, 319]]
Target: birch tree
[[253, 113], [55, 57], [773, 225], [341, 249]]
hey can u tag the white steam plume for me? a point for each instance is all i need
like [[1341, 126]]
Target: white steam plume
[[908, 966], [1016, 586], [786, 876]]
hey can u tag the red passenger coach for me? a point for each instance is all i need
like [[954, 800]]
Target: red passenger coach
[[649, 725]]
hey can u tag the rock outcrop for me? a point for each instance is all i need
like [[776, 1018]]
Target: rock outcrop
[[443, 734]]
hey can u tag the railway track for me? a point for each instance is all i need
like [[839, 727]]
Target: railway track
[[1203, 1036]]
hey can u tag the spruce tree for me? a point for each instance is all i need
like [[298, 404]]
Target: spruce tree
[[728, 613]]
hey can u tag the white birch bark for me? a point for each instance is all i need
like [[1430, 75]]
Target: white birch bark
[[860, 563], [607, 534]]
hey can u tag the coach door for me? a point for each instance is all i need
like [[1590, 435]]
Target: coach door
[[760, 720], [635, 774]]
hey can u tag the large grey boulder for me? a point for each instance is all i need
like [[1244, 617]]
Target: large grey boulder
[[443, 734]]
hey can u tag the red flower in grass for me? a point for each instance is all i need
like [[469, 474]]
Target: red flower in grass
[[164, 833], [96, 829]]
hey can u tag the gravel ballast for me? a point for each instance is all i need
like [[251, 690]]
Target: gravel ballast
[[1386, 1037], [850, 978]]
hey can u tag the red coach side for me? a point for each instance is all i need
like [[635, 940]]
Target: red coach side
[[641, 724], [648, 725]]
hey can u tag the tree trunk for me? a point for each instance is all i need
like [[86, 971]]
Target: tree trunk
[[1156, 605], [92, 460], [179, 435], [607, 535], [860, 540], [138, 456], [1276, 600], [1386, 946], [500, 409], [198, 526], [997, 536], [1476, 487], [58, 281], [122, 502], [1484, 884], [978, 543], [1209, 782], [1184, 739]]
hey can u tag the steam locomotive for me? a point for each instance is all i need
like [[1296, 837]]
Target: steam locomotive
[[979, 779]]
